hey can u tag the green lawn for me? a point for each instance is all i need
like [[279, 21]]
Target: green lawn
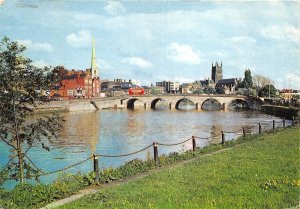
[[262, 173]]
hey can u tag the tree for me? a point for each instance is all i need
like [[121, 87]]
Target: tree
[[155, 91], [208, 90], [19, 95], [261, 81], [238, 84], [198, 91], [267, 90], [220, 90], [247, 82], [247, 92]]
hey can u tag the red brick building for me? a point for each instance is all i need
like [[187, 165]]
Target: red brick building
[[77, 84]]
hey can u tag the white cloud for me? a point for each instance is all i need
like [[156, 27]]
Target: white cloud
[[2, 2], [36, 46], [82, 38], [137, 61], [40, 63], [114, 8], [183, 53], [286, 32], [216, 31]]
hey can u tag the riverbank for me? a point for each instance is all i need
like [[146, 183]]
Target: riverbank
[[261, 173], [272, 156], [73, 105], [281, 111]]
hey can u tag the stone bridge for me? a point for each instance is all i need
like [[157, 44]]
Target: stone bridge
[[173, 101]]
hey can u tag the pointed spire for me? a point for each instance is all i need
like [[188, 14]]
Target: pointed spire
[[93, 61]]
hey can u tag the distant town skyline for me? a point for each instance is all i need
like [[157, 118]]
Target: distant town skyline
[[155, 41]]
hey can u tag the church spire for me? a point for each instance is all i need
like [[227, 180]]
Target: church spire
[[93, 61]]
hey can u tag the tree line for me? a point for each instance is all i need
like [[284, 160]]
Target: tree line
[[258, 85]]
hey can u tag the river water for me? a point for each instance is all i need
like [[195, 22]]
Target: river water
[[122, 131]]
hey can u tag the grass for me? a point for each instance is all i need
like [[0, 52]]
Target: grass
[[261, 173]]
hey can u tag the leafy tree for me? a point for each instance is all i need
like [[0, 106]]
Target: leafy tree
[[208, 90], [247, 92], [247, 82], [260, 80], [238, 84], [264, 92], [220, 90], [19, 95], [198, 91], [155, 91]]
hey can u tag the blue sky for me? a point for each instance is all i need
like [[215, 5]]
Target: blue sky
[[160, 40]]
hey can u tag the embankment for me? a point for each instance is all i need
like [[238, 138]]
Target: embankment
[[281, 111], [65, 106], [79, 105]]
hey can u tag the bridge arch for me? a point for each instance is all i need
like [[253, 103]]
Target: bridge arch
[[238, 102], [205, 103], [154, 102], [130, 103], [181, 100], [254, 103]]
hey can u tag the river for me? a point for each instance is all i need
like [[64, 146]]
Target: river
[[122, 131]]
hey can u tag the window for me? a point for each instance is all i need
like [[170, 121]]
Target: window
[[70, 92]]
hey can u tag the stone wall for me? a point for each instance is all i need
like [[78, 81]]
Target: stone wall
[[52, 106], [80, 105], [65, 106]]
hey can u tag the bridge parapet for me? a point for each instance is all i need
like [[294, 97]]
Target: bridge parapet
[[173, 101]]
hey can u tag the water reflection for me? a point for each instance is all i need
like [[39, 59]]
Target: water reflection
[[211, 104], [81, 129], [186, 104], [162, 105], [122, 131]]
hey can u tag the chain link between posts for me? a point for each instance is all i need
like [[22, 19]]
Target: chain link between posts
[[124, 155], [68, 167], [147, 147], [174, 144]]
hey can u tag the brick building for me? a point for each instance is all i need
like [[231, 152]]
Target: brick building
[[79, 84]]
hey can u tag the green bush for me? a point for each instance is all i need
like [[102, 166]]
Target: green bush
[[33, 196]]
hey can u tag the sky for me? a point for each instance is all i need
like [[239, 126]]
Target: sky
[[160, 40]]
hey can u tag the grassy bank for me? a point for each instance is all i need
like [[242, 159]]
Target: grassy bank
[[208, 182], [261, 173]]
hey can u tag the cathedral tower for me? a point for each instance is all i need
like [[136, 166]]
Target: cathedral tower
[[216, 72]]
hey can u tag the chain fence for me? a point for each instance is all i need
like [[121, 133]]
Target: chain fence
[[276, 124]]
